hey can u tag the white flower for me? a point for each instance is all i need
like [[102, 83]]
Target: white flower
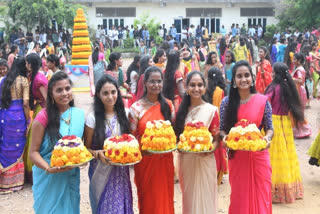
[[158, 125], [149, 125], [167, 122], [193, 139], [198, 147], [65, 142], [200, 139]]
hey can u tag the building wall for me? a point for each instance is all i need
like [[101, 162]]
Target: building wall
[[166, 15]]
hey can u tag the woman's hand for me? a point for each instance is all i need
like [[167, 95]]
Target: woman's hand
[[103, 158], [224, 141], [146, 153], [53, 170], [267, 139]]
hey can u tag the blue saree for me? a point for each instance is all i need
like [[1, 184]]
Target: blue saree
[[60, 192]]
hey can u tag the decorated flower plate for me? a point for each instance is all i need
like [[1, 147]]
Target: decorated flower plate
[[196, 152], [161, 152], [76, 165], [124, 164]]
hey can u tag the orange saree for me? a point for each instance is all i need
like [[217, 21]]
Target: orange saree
[[154, 174]]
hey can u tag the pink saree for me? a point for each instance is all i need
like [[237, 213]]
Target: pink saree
[[250, 172]]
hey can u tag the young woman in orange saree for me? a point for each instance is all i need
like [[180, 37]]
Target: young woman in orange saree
[[264, 70], [154, 174], [249, 172]]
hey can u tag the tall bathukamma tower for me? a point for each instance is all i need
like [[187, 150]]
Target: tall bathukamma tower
[[81, 48]]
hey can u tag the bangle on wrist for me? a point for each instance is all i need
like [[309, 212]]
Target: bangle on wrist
[[46, 170]]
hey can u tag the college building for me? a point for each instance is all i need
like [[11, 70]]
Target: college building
[[210, 13]]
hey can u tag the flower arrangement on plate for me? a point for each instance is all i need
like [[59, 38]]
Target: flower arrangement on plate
[[70, 151], [245, 136], [122, 150], [195, 138], [159, 137]]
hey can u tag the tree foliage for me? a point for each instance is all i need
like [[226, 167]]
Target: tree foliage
[[31, 13], [300, 14], [150, 22]]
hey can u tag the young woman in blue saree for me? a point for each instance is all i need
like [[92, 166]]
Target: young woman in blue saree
[[55, 190]]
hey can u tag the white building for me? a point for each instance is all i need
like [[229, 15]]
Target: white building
[[212, 13]]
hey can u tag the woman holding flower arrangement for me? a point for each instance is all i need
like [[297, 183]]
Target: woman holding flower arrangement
[[110, 187], [249, 172], [55, 190], [198, 172], [154, 174], [286, 177]]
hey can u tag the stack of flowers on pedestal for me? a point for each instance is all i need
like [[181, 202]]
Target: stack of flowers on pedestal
[[81, 48]]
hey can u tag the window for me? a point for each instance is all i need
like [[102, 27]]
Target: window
[[116, 12], [203, 12], [260, 11]]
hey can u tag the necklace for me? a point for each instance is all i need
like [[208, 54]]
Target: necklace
[[245, 100], [149, 102], [67, 121]]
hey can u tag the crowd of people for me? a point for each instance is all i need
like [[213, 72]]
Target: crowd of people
[[217, 80]]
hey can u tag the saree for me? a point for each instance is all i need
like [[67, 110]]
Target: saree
[[110, 186], [263, 79], [198, 172], [220, 153], [12, 142], [250, 172], [301, 129], [39, 80], [58, 192], [154, 175]]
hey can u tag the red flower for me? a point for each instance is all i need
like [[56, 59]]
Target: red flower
[[136, 154], [109, 151], [73, 136], [249, 138], [125, 136], [236, 139], [192, 147], [151, 137], [125, 154], [117, 152], [210, 148]]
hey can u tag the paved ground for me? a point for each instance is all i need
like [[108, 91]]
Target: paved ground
[[21, 202]]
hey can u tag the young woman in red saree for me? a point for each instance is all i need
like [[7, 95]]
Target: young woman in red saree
[[154, 174], [249, 172], [264, 70]]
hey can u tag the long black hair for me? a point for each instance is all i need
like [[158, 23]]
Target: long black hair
[[18, 68], [209, 60], [112, 60], [186, 102], [273, 41], [288, 91], [164, 106], [52, 109], [159, 54], [99, 112], [133, 67], [215, 79], [223, 45], [171, 68], [144, 64], [4, 51], [35, 62], [231, 113], [290, 48], [95, 53], [13, 49]]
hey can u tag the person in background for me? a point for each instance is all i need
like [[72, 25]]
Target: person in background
[[153, 48], [230, 62], [145, 62], [14, 116], [281, 50], [53, 64], [160, 59], [212, 60], [133, 77], [286, 177], [12, 54], [223, 31], [264, 70], [273, 51], [143, 49], [241, 51]]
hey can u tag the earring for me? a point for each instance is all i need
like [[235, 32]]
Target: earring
[[187, 94], [252, 84], [234, 85]]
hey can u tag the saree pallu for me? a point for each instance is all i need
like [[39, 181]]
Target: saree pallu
[[250, 172], [27, 162], [263, 79], [198, 172], [154, 175], [12, 143], [220, 153], [110, 189], [286, 177], [59, 192]]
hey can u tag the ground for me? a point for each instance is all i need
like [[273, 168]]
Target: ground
[[21, 202]]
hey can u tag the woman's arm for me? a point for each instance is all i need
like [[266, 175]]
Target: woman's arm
[[34, 154], [43, 92], [180, 88], [268, 127]]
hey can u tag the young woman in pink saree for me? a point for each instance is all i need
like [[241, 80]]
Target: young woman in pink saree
[[249, 172]]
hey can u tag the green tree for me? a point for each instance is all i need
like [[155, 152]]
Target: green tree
[[299, 14], [30, 13], [150, 22]]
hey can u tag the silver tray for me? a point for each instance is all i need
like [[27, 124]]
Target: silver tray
[[160, 152]]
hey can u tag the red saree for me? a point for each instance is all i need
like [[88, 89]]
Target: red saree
[[154, 174], [250, 172], [263, 79]]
